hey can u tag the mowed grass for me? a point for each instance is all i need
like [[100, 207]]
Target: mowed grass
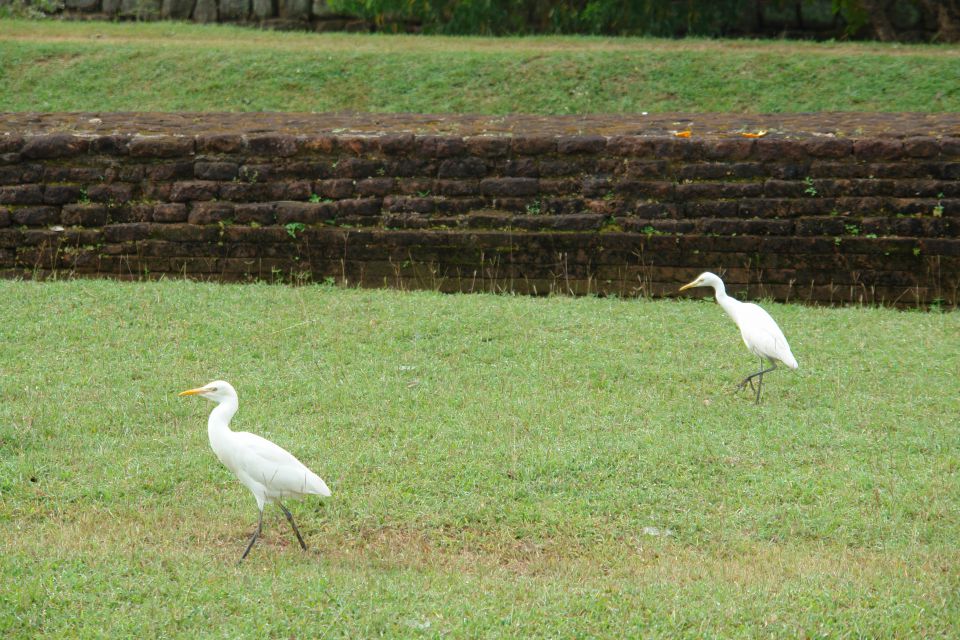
[[496, 466], [95, 66]]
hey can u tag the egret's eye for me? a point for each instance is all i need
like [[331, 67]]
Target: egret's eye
[[211, 389]]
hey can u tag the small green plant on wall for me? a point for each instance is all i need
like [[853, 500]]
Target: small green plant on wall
[[293, 228]]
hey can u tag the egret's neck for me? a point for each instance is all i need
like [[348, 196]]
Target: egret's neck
[[219, 423], [726, 302]]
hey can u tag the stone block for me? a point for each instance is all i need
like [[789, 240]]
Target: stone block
[[36, 216], [255, 172], [949, 147], [117, 145], [438, 147], [409, 167], [729, 149], [828, 147], [84, 215], [196, 190], [662, 147], [487, 146], [294, 190], [569, 145], [375, 187], [522, 168], [61, 193], [533, 145], [124, 173], [303, 212], [11, 143], [60, 173], [462, 168], [219, 143], [246, 191], [12, 174], [169, 171], [784, 188], [215, 170], [161, 146], [358, 168], [22, 194], [357, 145], [396, 143], [335, 189], [116, 193], [138, 212], [272, 145], [358, 207], [819, 226], [873, 149], [210, 212], [779, 150], [5, 218], [716, 190], [656, 189], [309, 170], [261, 213], [508, 187], [457, 187], [409, 204], [54, 145], [921, 147]]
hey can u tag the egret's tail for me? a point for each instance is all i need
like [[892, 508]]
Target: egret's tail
[[790, 361], [316, 485]]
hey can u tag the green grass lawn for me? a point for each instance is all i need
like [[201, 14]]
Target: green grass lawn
[[96, 66], [494, 463]]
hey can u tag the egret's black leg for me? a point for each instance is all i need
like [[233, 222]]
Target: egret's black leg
[[294, 525], [256, 534], [759, 376]]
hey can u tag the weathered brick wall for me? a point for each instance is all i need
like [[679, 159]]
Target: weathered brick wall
[[832, 208]]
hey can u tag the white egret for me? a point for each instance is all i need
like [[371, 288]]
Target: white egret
[[759, 332], [269, 471]]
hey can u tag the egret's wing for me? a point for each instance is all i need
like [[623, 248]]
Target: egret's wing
[[763, 336], [263, 448], [276, 468]]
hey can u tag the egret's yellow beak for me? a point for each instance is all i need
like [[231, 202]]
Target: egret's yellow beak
[[192, 392], [686, 286]]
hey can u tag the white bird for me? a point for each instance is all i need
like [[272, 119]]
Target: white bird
[[269, 471], [759, 332]]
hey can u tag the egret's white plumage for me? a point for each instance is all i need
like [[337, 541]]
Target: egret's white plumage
[[269, 471], [759, 332]]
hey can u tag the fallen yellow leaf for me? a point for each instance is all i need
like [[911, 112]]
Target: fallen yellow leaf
[[682, 134], [758, 134]]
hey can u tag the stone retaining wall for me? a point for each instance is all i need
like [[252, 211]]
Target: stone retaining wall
[[832, 208], [819, 19]]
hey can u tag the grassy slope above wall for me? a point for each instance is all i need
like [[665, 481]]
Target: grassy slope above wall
[[52, 66]]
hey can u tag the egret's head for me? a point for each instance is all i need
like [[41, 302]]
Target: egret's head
[[217, 391], [705, 279]]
